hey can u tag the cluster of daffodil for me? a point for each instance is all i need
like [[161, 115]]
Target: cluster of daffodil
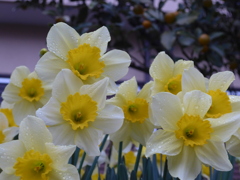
[[59, 114]]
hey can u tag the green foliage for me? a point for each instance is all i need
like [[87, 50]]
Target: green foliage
[[220, 20]]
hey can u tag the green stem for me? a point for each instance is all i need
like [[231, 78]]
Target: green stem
[[138, 158], [75, 156], [81, 162], [96, 159], [119, 158]]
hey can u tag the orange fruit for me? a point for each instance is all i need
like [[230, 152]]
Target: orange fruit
[[146, 24], [138, 9], [204, 39], [170, 17]]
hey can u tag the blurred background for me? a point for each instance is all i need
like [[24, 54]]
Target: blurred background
[[205, 31]]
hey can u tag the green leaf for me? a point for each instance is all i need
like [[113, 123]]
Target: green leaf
[[110, 174], [217, 49], [167, 39], [216, 35], [186, 40], [215, 59], [198, 32], [122, 174], [153, 14], [133, 175], [186, 18], [166, 174]]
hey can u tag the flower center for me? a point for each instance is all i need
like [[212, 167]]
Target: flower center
[[31, 89], [174, 85], [9, 116], [136, 111], [2, 137], [79, 110], [220, 104], [193, 130], [84, 61], [130, 159], [33, 165]]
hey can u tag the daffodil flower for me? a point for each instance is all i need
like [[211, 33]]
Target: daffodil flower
[[84, 55], [135, 106], [6, 109], [232, 145], [187, 137], [166, 74], [6, 133], [216, 86], [26, 92], [78, 114], [34, 156]]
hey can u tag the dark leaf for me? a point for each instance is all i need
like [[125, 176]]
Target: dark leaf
[[216, 35], [167, 39], [187, 18]]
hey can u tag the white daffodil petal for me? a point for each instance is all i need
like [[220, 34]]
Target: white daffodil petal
[[66, 83], [196, 103], [61, 38], [98, 38], [63, 134], [34, 133], [44, 99], [18, 75], [22, 109], [162, 67], [59, 154], [50, 113], [215, 155], [192, 79], [141, 132], [181, 65], [109, 119], [10, 133], [112, 87], [88, 140], [225, 126], [145, 92], [9, 152], [97, 91], [3, 122], [6, 105], [128, 89], [232, 146], [10, 94], [163, 142], [70, 173], [158, 86], [123, 134], [4, 176], [235, 102], [117, 100], [166, 110], [116, 64], [185, 165], [221, 80], [49, 65]]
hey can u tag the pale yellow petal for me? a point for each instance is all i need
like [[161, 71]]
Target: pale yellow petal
[[221, 80], [196, 103], [61, 38], [162, 67], [98, 38], [181, 65]]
